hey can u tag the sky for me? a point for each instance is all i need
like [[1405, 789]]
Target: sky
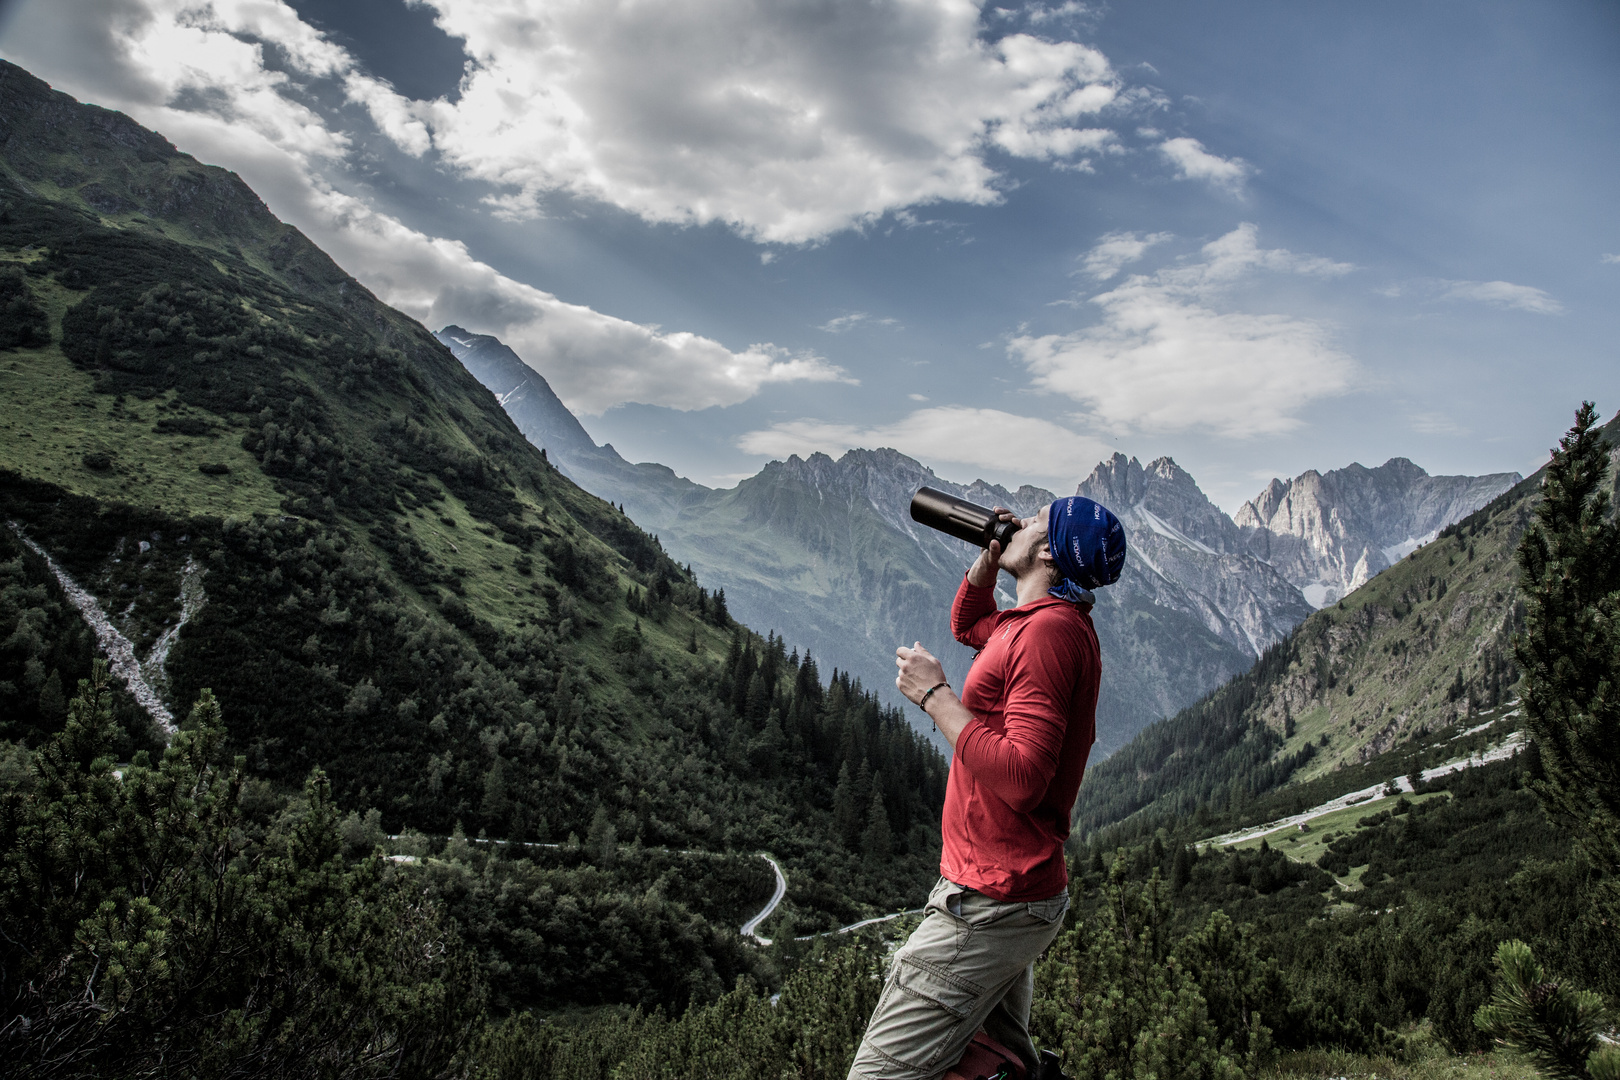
[[1258, 236]]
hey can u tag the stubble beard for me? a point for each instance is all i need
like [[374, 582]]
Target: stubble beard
[[1029, 563]]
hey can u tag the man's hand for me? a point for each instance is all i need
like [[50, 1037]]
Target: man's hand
[[984, 569], [919, 671]]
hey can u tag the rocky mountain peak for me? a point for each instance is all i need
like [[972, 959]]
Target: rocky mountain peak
[[522, 391], [1162, 497], [1330, 532], [1117, 483]]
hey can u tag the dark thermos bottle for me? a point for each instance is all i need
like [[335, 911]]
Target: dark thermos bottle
[[960, 518]]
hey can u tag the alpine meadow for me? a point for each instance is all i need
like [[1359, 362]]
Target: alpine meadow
[[342, 734]]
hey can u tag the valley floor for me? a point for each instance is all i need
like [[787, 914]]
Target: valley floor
[[1376, 797]]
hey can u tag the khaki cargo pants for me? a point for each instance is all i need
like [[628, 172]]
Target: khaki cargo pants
[[970, 964]]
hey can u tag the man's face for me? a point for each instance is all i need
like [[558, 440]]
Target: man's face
[[1028, 548]]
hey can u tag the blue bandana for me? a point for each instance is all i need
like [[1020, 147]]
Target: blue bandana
[[1088, 546]]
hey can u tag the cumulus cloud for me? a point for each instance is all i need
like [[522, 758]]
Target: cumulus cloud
[[199, 75], [1503, 294], [985, 439], [1165, 357], [785, 122], [1195, 163], [1114, 250]]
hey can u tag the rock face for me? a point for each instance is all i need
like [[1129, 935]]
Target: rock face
[[650, 493], [1328, 533], [1188, 556], [524, 393], [825, 552]]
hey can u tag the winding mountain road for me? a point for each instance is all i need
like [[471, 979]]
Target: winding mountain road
[[750, 927]]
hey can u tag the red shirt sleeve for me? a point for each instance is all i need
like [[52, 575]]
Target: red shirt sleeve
[[973, 613], [1017, 764]]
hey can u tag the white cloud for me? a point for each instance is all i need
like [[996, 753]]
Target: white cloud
[[1196, 163], [854, 319], [1503, 294], [1165, 358], [199, 76], [1611, 259], [1436, 423], [987, 439], [1069, 9], [785, 122], [1115, 249]]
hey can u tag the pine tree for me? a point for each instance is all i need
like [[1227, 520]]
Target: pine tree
[[147, 934], [1556, 1027], [1118, 1003], [602, 839], [846, 813], [1570, 649], [877, 843]]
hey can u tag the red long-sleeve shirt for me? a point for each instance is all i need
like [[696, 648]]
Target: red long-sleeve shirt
[[1017, 766]]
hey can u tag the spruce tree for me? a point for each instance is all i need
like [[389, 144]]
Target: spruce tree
[[877, 843], [1570, 650], [846, 811], [602, 840]]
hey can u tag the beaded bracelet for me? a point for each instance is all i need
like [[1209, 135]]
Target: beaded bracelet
[[922, 702]]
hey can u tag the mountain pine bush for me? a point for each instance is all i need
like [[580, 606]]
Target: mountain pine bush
[[149, 932], [1556, 1027]]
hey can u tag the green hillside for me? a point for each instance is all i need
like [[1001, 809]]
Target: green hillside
[[395, 586], [1423, 647]]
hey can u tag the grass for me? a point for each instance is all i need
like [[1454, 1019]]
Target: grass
[[1436, 1065], [1308, 846], [51, 418]]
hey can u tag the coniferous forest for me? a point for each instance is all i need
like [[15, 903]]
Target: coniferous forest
[[341, 735]]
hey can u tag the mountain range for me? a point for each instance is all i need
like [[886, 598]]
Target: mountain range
[[826, 552]]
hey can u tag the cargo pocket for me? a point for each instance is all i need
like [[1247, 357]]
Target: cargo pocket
[[926, 1015], [1052, 909]]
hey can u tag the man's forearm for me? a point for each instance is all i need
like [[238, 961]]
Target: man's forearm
[[948, 713]]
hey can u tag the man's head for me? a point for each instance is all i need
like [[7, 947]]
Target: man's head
[[1087, 542], [1070, 540], [1028, 552]]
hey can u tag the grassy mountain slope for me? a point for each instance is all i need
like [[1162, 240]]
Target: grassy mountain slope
[[400, 589], [1423, 646]]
